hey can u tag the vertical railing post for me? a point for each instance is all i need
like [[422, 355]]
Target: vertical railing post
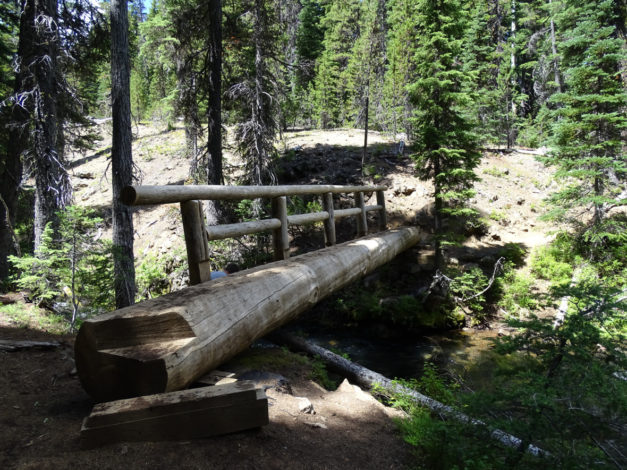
[[362, 220], [195, 239], [329, 224], [383, 216], [280, 237]]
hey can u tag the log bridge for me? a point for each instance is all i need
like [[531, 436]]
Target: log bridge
[[164, 344]]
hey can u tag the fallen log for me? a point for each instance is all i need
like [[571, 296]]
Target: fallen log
[[166, 343], [13, 345], [188, 414], [367, 378]]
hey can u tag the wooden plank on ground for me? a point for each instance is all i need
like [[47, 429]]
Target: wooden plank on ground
[[14, 345], [181, 415]]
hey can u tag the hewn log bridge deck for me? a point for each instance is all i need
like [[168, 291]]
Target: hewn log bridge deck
[[164, 344]]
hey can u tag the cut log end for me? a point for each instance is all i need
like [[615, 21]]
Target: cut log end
[[123, 357], [128, 195]]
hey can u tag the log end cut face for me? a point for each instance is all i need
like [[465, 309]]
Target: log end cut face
[[124, 357]]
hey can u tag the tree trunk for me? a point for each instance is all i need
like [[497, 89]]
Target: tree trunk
[[364, 152], [164, 344], [214, 212], [121, 156], [556, 70], [437, 217], [38, 90], [10, 175]]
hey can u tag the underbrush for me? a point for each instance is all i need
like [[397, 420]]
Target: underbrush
[[558, 385], [30, 316]]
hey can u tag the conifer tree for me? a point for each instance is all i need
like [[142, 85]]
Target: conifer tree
[[366, 65], [332, 94], [590, 121], [308, 41], [121, 156], [445, 146], [254, 94], [401, 71], [10, 162]]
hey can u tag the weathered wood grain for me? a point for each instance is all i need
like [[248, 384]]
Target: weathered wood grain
[[166, 343], [140, 195], [187, 414]]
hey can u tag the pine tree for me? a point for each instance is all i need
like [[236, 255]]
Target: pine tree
[[121, 156], [590, 121], [332, 95], [401, 70], [10, 162], [445, 146], [366, 64], [254, 94], [309, 41]]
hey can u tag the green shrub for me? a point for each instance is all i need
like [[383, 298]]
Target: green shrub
[[151, 278], [514, 253], [464, 287], [546, 264], [517, 292], [70, 267]]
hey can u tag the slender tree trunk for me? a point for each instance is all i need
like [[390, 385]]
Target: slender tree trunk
[[556, 70], [364, 153], [121, 156], [11, 176], [214, 212], [437, 217], [512, 80]]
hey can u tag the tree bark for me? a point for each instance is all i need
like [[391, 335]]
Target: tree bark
[[11, 177], [556, 70], [214, 212], [121, 156], [437, 216], [37, 91]]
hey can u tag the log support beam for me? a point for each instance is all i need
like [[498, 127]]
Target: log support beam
[[164, 344]]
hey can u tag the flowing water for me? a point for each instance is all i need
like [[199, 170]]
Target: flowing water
[[462, 352]]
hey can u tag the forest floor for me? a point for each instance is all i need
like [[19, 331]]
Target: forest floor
[[42, 404]]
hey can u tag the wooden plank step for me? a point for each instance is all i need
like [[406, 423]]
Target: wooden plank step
[[187, 414]]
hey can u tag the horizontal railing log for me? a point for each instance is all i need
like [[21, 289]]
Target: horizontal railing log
[[197, 234], [145, 195]]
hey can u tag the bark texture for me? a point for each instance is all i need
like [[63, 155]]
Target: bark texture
[[38, 125], [121, 156], [214, 212]]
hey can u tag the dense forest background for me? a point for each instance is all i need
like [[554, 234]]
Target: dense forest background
[[512, 73], [447, 78]]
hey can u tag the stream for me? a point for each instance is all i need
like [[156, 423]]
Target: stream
[[404, 356]]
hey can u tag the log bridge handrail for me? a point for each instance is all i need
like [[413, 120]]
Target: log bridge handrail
[[198, 234]]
